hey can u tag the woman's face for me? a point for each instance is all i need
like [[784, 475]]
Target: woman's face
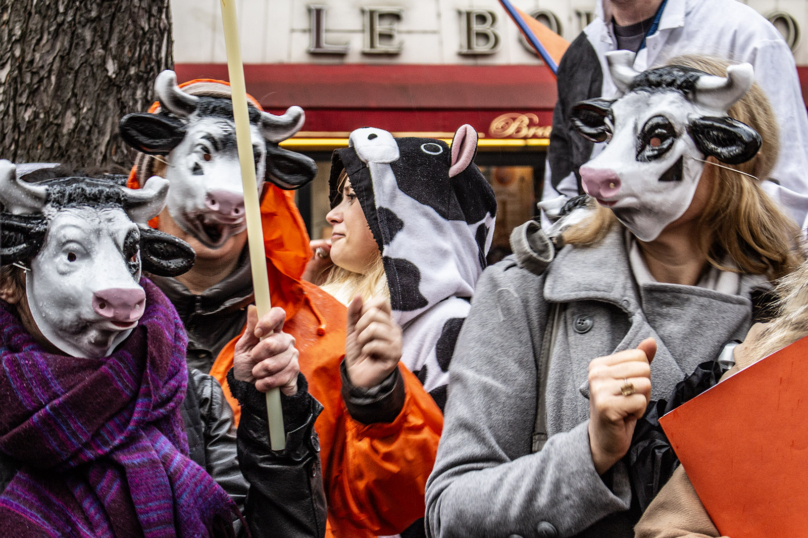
[[352, 244]]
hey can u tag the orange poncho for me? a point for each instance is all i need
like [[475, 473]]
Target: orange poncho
[[375, 476]]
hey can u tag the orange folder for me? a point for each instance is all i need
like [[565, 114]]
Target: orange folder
[[744, 445]]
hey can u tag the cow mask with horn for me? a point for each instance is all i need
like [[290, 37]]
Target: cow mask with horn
[[667, 121], [194, 129], [83, 244]]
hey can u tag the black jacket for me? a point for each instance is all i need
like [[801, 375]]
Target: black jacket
[[579, 78], [279, 494]]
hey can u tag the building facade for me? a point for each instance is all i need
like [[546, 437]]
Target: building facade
[[413, 67]]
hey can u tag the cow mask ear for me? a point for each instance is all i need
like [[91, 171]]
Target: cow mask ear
[[726, 139], [589, 119], [164, 255], [287, 169], [154, 134], [21, 237]]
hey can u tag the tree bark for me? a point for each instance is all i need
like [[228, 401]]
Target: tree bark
[[70, 69]]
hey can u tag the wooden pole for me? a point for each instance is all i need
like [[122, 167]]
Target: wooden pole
[[252, 209]]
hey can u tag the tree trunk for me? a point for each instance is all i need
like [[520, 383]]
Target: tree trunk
[[70, 69]]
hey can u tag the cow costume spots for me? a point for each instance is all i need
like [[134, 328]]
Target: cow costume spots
[[432, 214]]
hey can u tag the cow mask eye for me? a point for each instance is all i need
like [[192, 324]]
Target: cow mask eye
[[207, 157], [656, 138]]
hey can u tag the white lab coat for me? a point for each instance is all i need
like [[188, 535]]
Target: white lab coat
[[734, 31]]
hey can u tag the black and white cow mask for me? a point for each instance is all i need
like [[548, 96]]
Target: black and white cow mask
[[667, 122], [83, 246], [197, 135]]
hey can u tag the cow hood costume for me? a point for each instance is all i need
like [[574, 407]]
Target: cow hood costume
[[432, 214], [372, 484]]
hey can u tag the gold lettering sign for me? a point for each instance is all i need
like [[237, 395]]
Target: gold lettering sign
[[516, 125]]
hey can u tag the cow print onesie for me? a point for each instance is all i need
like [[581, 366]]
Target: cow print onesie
[[433, 230]]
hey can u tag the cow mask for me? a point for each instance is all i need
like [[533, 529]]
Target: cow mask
[[197, 135], [83, 251], [659, 132]]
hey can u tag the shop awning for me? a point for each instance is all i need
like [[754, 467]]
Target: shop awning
[[509, 105]]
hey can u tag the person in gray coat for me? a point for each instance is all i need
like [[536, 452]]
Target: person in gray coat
[[553, 365]]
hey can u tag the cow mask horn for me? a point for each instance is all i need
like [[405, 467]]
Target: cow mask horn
[[181, 104], [710, 91]]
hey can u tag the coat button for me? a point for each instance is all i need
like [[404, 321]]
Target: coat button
[[582, 324], [546, 530]]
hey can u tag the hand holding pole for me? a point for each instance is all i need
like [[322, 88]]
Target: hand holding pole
[[252, 209]]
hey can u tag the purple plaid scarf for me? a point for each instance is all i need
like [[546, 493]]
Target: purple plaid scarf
[[102, 443]]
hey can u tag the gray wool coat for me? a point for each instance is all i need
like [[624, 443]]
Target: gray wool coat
[[486, 481]]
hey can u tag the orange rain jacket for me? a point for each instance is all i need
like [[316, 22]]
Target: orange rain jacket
[[374, 475]]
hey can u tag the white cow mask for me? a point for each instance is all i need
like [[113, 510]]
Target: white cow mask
[[84, 251], [197, 135], [659, 132]]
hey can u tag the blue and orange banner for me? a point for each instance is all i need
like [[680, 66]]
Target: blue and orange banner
[[548, 44]]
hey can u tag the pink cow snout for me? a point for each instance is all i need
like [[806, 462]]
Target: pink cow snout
[[227, 204], [600, 183], [121, 305]]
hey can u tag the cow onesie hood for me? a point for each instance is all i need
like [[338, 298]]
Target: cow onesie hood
[[432, 214]]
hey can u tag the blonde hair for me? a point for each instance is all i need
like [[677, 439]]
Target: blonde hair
[[344, 285], [791, 322], [740, 222]]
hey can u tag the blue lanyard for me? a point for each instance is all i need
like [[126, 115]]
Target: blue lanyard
[[654, 24]]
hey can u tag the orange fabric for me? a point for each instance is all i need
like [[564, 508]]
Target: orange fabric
[[554, 44], [743, 445], [375, 476]]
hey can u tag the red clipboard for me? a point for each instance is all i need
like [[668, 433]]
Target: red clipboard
[[744, 445]]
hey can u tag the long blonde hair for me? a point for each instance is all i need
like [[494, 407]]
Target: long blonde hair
[[740, 222]]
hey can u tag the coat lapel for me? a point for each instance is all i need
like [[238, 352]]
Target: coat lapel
[[690, 325]]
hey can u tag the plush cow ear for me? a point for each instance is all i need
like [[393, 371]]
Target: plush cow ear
[[154, 134], [726, 139], [164, 255], [21, 237], [589, 119], [287, 169], [464, 148]]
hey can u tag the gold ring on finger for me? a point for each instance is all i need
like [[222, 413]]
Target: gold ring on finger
[[628, 388]]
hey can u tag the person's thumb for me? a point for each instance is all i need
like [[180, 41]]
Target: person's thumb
[[354, 312], [252, 321], [649, 347]]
